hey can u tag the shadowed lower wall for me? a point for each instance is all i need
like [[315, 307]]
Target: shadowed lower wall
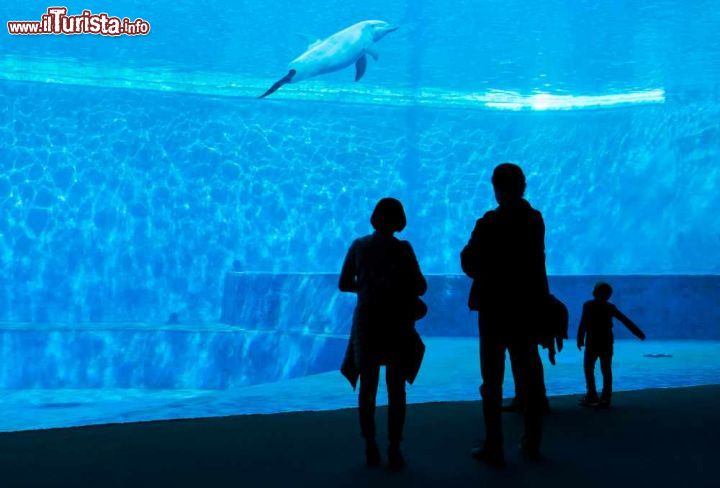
[[665, 307]]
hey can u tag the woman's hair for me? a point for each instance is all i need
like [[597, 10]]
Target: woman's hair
[[509, 179], [388, 215]]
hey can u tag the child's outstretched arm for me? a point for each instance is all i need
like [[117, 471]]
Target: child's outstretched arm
[[629, 324], [582, 328]]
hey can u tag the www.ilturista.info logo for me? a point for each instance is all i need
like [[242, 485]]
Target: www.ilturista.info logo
[[57, 21]]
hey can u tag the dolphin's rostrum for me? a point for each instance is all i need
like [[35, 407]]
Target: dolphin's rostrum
[[340, 50]]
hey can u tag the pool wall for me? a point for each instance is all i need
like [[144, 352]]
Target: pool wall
[[285, 326], [665, 307], [141, 356]]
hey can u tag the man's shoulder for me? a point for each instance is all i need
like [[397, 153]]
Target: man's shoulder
[[404, 243], [488, 217], [535, 214]]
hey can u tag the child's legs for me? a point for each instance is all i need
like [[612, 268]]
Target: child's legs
[[589, 366], [606, 368]]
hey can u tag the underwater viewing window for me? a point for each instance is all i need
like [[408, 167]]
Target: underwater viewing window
[[170, 244]]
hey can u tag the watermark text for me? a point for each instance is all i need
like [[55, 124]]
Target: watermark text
[[56, 21]]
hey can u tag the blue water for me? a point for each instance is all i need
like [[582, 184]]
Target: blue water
[[135, 171]]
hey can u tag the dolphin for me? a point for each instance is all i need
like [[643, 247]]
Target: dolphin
[[340, 50]]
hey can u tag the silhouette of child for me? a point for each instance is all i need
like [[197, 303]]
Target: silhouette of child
[[595, 332]]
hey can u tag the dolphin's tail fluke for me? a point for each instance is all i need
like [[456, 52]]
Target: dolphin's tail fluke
[[285, 79]]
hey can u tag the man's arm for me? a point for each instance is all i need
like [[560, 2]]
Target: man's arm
[[470, 255], [628, 323], [347, 275], [582, 328]]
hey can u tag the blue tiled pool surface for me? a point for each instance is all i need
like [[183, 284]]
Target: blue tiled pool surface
[[122, 205]]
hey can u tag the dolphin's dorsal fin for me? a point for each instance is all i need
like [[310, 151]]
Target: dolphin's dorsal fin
[[311, 41], [360, 66]]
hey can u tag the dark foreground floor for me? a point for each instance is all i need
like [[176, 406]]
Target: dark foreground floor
[[649, 438]]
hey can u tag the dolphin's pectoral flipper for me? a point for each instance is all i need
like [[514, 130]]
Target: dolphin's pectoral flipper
[[372, 53], [360, 67], [285, 79]]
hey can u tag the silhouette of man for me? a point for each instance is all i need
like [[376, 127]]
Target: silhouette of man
[[505, 257]]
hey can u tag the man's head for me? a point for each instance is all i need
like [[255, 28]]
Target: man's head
[[603, 291], [509, 183]]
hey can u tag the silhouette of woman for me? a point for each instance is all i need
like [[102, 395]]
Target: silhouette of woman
[[384, 273]]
